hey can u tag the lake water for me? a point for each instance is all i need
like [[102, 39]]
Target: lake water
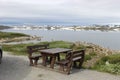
[[106, 39]]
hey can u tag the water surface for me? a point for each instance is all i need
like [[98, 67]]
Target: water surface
[[106, 39]]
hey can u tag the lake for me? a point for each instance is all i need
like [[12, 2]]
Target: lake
[[109, 39]]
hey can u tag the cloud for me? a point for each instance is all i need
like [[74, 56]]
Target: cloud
[[75, 11]]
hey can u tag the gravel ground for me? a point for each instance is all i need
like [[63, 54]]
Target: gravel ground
[[17, 68], [13, 67]]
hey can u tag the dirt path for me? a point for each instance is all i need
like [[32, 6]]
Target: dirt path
[[17, 68]]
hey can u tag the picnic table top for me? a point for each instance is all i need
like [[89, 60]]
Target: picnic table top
[[55, 50]]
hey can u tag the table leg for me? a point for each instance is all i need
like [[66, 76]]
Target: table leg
[[53, 62], [44, 57], [58, 57]]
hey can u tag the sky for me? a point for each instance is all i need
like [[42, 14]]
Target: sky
[[72, 12]]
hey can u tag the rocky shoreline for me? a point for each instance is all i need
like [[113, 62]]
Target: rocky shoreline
[[97, 50]]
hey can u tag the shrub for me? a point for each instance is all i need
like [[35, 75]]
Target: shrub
[[113, 65], [87, 57], [114, 59], [111, 68]]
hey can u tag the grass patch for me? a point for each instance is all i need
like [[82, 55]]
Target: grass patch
[[90, 56], [20, 49], [11, 35], [61, 44], [87, 57], [16, 49], [111, 68], [109, 64]]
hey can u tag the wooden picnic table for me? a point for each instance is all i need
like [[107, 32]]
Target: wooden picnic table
[[53, 53]]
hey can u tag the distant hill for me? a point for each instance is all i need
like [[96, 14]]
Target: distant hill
[[4, 27]]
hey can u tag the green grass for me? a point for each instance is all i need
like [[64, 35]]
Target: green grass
[[61, 44], [17, 49], [87, 57], [110, 64], [11, 35], [20, 49], [111, 68], [90, 56]]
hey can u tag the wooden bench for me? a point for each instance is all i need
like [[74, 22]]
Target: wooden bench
[[73, 59], [32, 50]]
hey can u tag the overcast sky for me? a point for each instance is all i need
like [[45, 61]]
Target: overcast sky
[[60, 11]]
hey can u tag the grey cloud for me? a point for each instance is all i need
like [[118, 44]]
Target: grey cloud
[[62, 10]]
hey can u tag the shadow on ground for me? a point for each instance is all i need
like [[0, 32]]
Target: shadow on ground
[[14, 68]]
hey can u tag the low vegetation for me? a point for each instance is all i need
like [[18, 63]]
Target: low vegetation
[[4, 27], [90, 56], [109, 64], [9, 35], [20, 49]]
